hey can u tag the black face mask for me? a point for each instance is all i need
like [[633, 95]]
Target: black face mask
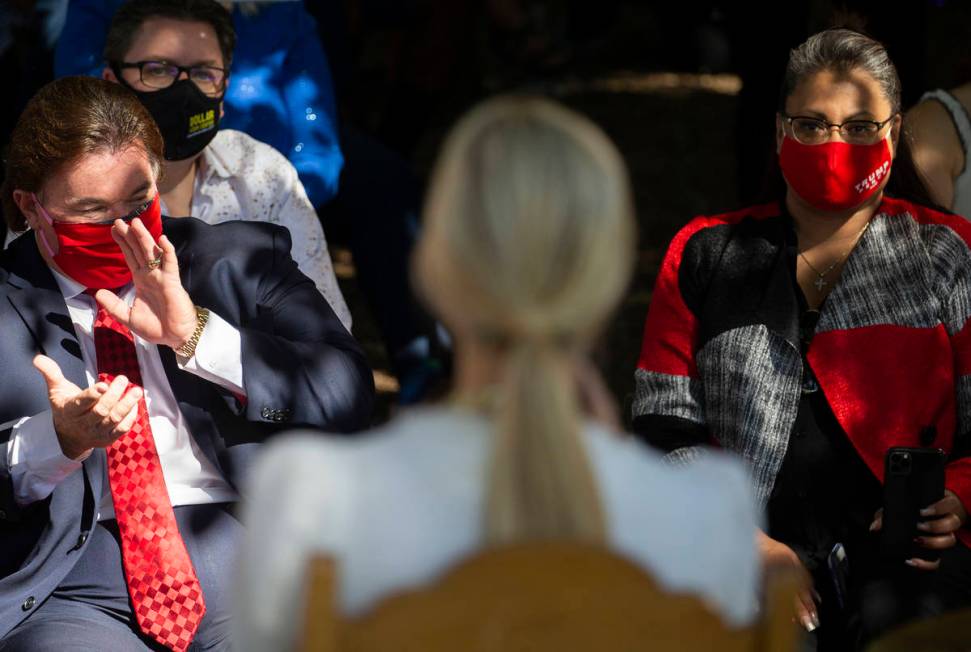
[[187, 117]]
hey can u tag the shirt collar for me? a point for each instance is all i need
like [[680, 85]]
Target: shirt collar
[[214, 161], [71, 289]]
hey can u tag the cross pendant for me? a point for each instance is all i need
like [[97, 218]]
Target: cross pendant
[[820, 284]]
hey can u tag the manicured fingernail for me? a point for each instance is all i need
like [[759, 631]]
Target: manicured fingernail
[[809, 624], [911, 562], [924, 527], [927, 511], [873, 526]]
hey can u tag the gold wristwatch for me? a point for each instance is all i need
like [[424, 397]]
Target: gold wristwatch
[[188, 349]]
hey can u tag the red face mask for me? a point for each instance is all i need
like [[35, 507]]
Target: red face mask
[[87, 252], [834, 176]]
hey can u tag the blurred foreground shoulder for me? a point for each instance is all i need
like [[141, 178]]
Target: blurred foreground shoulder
[[692, 526]]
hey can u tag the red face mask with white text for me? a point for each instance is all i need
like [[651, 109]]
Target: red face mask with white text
[[835, 176], [87, 252]]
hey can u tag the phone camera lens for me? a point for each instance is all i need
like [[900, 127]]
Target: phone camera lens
[[900, 463]]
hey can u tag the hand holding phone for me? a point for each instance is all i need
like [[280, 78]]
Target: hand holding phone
[[913, 481], [938, 530]]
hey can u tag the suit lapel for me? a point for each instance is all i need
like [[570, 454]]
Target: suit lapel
[[37, 299]]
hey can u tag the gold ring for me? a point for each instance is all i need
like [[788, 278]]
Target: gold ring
[[154, 263]]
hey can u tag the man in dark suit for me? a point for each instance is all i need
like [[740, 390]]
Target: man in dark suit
[[143, 361]]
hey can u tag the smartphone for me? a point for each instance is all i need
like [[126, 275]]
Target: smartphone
[[839, 571], [913, 479]]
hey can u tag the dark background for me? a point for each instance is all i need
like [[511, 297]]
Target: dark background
[[687, 90]]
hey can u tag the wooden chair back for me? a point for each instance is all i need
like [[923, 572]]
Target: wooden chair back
[[541, 598], [949, 632]]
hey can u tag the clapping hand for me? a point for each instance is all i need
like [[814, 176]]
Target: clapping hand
[[90, 418], [162, 312]]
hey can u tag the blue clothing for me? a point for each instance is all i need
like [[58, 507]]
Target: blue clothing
[[280, 87]]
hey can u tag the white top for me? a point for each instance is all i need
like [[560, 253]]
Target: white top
[[241, 178], [399, 507], [962, 123], [34, 455]]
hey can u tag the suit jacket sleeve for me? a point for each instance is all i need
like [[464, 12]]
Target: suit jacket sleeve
[[300, 365], [9, 507]]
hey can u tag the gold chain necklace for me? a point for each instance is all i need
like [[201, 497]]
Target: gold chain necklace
[[821, 281]]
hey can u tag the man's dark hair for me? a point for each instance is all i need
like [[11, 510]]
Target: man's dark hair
[[66, 120], [130, 16]]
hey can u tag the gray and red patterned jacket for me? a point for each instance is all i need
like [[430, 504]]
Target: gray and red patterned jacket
[[721, 364]]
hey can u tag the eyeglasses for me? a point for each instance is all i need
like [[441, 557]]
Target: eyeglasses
[[137, 212], [126, 218], [162, 74], [813, 131]]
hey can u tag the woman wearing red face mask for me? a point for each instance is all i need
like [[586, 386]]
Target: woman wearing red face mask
[[811, 334]]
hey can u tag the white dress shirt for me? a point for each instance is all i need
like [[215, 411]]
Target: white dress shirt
[[34, 454], [397, 508], [241, 178]]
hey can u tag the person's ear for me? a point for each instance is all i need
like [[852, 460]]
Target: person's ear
[[780, 132], [28, 207], [108, 74], [896, 131], [27, 204]]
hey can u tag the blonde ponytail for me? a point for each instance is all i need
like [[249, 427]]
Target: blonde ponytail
[[541, 484], [529, 238]]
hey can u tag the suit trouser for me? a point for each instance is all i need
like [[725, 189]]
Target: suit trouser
[[91, 609]]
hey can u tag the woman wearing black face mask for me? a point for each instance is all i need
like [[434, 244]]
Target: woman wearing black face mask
[[186, 109], [176, 62], [811, 334], [175, 56]]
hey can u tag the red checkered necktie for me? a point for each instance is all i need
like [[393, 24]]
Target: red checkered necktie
[[165, 592]]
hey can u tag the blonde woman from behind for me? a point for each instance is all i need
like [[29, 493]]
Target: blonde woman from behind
[[527, 247]]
